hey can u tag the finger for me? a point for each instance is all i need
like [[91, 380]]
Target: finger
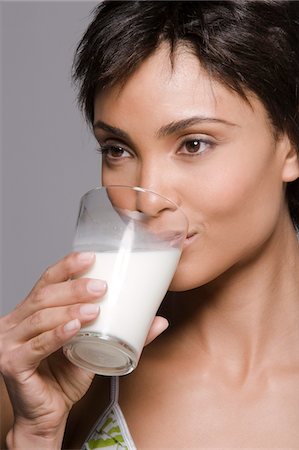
[[50, 318], [66, 293], [66, 268], [159, 325], [60, 294], [24, 360], [44, 295]]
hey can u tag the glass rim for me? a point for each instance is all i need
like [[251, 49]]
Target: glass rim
[[138, 189]]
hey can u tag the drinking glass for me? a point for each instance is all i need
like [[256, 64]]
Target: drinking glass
[[137, 236]]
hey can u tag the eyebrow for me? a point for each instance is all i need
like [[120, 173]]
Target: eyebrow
[[166, 130], [180, 125], [110, 129]]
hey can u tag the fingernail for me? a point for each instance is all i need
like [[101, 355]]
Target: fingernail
[[85, 256], [96, 286], [72, 325], [89, 309]]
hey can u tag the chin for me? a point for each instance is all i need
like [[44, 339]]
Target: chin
[[191, 276], [181, 283]]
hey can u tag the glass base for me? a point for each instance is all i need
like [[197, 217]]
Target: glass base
[[101, 354]]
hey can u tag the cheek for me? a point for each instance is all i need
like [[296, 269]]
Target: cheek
[[235, 212], [238, 185], [241, 212], [124, 176]]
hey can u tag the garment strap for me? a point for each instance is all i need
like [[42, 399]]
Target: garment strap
[[114, 391], [111, 426]]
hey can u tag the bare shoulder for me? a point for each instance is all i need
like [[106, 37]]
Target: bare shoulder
[[141, 389], [6, 413], [86, 412]]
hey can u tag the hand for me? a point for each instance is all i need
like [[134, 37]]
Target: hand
[[42, 384]]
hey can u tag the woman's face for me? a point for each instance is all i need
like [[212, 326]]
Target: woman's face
[[182, 134]]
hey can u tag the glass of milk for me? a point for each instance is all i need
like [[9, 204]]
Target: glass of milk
[[137, 236]]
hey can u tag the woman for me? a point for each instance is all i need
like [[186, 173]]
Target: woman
[[199, 102]]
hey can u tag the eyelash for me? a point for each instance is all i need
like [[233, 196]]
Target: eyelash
[[202, 141], [104, 149]]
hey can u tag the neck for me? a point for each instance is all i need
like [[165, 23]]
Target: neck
[[250, 311]]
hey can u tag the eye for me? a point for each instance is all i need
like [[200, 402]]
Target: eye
[[195, 146], [113, 152]]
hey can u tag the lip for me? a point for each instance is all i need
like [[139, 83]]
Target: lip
[[169, 236], [190, 238]]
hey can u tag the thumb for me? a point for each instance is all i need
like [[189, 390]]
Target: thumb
[[159, 325]]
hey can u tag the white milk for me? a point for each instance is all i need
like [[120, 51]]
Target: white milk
[[137, 282]]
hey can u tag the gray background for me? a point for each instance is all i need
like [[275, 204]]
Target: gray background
[[48, 157]]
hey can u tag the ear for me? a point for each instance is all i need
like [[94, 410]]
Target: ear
[[290, 169]]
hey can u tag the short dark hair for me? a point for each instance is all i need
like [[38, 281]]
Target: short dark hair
[[248, 45]]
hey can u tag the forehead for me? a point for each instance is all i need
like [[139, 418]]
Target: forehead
[[169, 88]]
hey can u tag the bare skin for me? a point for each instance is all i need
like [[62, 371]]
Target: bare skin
[[226, 372], [41, 384], [237, 389]]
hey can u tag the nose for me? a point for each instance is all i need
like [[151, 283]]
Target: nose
[[138, 199], [152, 204], [161, 193]]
